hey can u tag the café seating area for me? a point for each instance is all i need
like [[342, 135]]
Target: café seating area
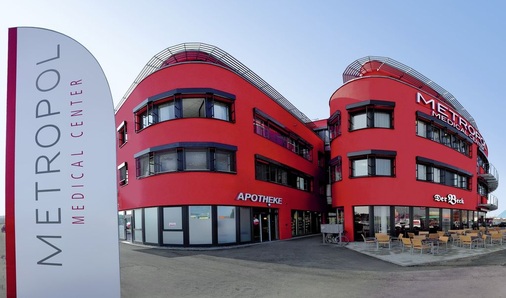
[[441, 241]]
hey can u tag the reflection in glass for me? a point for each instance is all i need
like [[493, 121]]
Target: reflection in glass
[[200, 224], [382, 219], [226, 224]]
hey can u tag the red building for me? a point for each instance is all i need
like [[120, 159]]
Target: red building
[[405, 154], [210, 154]]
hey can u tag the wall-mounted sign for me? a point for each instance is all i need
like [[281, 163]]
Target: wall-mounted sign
[[61, 199], [450, 199], [245, 196], [448, 115]]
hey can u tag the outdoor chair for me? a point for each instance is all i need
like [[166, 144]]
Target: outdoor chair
[[418, 244], [466, 240], [406, 243], [455, 239], [484, 239], [411, 235], [496, 238], [398, 238], [444, 239], [382, 239], [370, 240]]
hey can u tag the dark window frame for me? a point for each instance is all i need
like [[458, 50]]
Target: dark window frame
[[371, 156], [149, 108], [123, 174], [369, 109], [268, 170], [449, 175], [122, 134], [267, 127], [181, 149]]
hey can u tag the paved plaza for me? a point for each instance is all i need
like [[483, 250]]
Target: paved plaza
[[306, 267]]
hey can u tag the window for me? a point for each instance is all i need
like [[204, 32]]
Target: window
[[437, 172], [195, 159], [371, 114], [123, 174], [272, 130], [221, 111], [421, 172], [179, 157], [334, 125], [433, 129], [167, 161], [194, 107], [358, 120], [145, 165], [122, 134], [360, 168], [421, 129], [166, 111], [336, 169], [222, 161], [372, 163], [185, 103], [271, 171]]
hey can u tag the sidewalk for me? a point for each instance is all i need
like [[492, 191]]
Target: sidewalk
[[396, 256]]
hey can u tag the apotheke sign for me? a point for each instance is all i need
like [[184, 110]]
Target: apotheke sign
[[245, 196], [446, 114], [450, 199]]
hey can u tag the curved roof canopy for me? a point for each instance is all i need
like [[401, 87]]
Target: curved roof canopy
[[205, 53], [406, 74]]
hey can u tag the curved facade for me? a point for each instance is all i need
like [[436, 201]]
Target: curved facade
[[405, 155], [208, 156]]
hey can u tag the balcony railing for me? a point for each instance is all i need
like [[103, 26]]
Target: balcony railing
[[489, 173], [492, 203]]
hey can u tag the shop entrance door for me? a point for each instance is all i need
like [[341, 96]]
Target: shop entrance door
[[265, 224]]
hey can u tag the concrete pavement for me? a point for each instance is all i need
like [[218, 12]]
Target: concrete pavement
[[306, 267]]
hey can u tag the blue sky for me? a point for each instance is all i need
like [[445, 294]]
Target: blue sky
[[301, 48]]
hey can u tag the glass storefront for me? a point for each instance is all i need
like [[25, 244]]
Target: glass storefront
[[361, 221], [394, 220], [382, 219], [305, 223], [209, 225]]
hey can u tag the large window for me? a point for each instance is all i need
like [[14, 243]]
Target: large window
[[272, 130], [371, 114], [179, 157], [185, 103], [372, 163], [271, 171], [430, 128], [200, 224], [441, 173], [226, 224]]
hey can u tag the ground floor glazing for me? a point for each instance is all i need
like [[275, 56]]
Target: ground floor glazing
[[394, 220], [211, 225]]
